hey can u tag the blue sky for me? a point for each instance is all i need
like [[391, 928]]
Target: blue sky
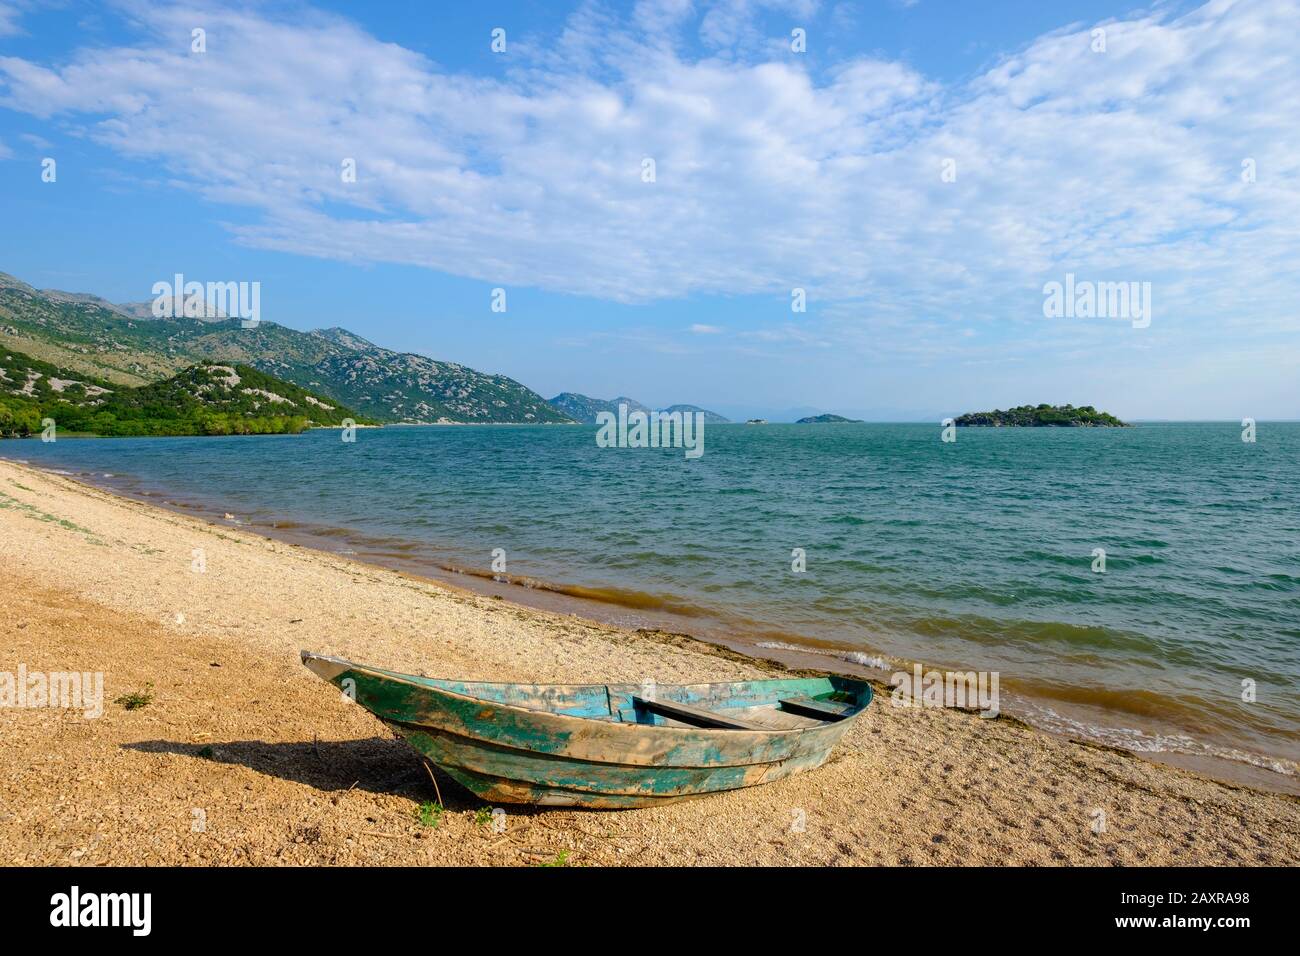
[[774, 170]]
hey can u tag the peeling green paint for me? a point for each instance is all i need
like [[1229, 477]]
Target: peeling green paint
[[587, 745]]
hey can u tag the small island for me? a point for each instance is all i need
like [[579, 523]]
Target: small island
[[828, 420], [757, 421], [1042, 416]]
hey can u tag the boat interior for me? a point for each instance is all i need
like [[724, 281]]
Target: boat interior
[[745, 705]]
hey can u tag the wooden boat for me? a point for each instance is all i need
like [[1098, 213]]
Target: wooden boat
[[607, 745]]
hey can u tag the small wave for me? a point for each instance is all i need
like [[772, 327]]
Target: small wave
[[851, 657], [1138, 741]]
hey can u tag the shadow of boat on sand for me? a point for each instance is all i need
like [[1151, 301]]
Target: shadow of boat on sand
[[374, 765]]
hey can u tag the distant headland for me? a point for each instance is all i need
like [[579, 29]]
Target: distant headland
[[828, 420], [1042, 416]]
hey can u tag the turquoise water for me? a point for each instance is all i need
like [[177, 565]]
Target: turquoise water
[[973, 555]]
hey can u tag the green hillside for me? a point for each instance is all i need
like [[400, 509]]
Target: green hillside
[[206, 399]]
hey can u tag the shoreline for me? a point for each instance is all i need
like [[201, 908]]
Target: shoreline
[[241, 731], [641, 611]]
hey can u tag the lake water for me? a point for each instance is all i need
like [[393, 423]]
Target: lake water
[[978, 554]]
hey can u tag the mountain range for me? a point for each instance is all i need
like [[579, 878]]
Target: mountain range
[[584, 408], [91, 336], [127, 345]]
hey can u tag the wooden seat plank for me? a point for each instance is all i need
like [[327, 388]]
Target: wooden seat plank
[[692, 715], [821, 709]]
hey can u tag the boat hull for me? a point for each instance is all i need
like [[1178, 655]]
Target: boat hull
[[502, 776], [589, 745]]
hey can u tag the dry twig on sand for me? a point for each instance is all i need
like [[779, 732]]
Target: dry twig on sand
[[435, 782]]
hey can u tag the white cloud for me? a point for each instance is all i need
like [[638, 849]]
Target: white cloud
[[701, 329], [10, 11], [662, 16], [1120, 165]]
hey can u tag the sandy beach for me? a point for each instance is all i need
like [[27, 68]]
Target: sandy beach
[[244, 757]]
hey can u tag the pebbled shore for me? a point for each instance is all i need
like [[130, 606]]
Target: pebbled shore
[[243, 757]]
